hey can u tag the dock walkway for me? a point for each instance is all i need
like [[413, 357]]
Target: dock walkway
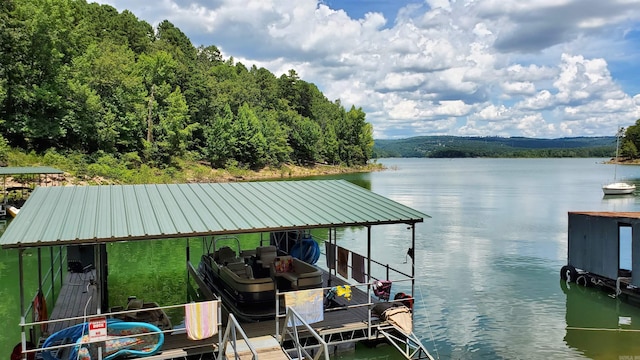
[[77, 299]]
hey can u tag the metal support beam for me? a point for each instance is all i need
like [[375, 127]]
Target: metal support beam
[[23, 335], [413, 264], [369, 279]]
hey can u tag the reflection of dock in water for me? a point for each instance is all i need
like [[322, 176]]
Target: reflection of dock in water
[[596, 324]]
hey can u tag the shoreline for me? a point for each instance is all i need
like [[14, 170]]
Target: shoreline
[[197, 175], [291, 172]]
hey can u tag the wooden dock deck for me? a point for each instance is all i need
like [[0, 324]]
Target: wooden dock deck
[[77, 298]]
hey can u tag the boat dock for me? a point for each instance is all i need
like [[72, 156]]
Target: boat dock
[[73, 305], [340, 329], [28, 177], [603, 252], [73, 219]]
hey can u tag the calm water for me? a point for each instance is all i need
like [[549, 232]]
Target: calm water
[[488, 260]]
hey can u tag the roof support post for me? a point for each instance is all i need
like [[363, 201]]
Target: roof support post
[[413, 263], [369, 280], [39, 269], [188, 260], [97, 258], [52, 272], [332, 267], [60, 251], [23, 335]]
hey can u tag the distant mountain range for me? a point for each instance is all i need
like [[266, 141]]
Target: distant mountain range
[[461, 147]]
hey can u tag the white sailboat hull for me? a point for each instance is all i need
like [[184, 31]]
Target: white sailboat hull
[[618, 188]]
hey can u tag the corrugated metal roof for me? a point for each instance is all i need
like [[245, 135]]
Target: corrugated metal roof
[[16, 170], [96, 214]]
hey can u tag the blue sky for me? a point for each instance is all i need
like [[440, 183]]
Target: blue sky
[[543, 68], [358, 8]]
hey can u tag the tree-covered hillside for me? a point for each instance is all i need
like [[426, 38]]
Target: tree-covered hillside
[[85, 78], [458, 147], [630, 142]]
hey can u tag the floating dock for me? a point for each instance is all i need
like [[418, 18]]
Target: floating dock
[[14, 196], [61, 219], [604, 251]]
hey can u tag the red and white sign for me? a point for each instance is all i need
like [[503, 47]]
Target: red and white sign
[[98, 329]]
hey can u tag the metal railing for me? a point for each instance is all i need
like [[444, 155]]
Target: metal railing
[[295, 320], [230, 336], [47, 289], [114, 314]]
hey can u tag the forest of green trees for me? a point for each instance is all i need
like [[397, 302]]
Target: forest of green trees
[[84, 78], [630, 142]]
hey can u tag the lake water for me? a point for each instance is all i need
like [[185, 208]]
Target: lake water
[[488, 259]]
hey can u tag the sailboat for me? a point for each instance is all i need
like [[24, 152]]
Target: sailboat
[[618, 187]]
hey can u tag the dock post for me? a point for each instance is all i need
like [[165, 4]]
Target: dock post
[[53, 274], [369, 280], [413, 264]]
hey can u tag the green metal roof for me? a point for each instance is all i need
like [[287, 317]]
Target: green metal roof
[[97, 214], [16, 170]]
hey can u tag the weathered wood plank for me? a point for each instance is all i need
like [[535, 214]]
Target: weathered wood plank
[[74, 297]]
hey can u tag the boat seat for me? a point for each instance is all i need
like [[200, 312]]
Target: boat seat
[[297, 273], [265, 255], [242, 270], [227, 255]]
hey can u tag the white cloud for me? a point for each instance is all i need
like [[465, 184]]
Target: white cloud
[[547, 68], [518, 88]]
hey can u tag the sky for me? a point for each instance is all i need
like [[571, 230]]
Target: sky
[[533, 68]]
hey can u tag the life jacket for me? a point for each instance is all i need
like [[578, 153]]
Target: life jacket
[[40, 310], [16, 354], [382, 289], [408, 302]]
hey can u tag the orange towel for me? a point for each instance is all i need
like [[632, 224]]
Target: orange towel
[[201, 319]]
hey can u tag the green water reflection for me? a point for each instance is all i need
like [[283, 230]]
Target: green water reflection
[[597, 324]]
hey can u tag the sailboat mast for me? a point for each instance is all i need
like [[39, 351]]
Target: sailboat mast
[[615, 166]]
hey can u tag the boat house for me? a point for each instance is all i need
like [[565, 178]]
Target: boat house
[[74, 224], [604, 251], [14, 196]]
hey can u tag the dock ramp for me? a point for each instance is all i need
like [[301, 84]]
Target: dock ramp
[[264, 347], [407, 344]]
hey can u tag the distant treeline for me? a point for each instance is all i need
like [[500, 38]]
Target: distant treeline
[[497, 147], [83, 78]]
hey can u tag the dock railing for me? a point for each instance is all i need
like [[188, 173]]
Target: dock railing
[[44, 294], [292, 321], [363, 296], [231, 337], [115, 314], [347, 304]]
